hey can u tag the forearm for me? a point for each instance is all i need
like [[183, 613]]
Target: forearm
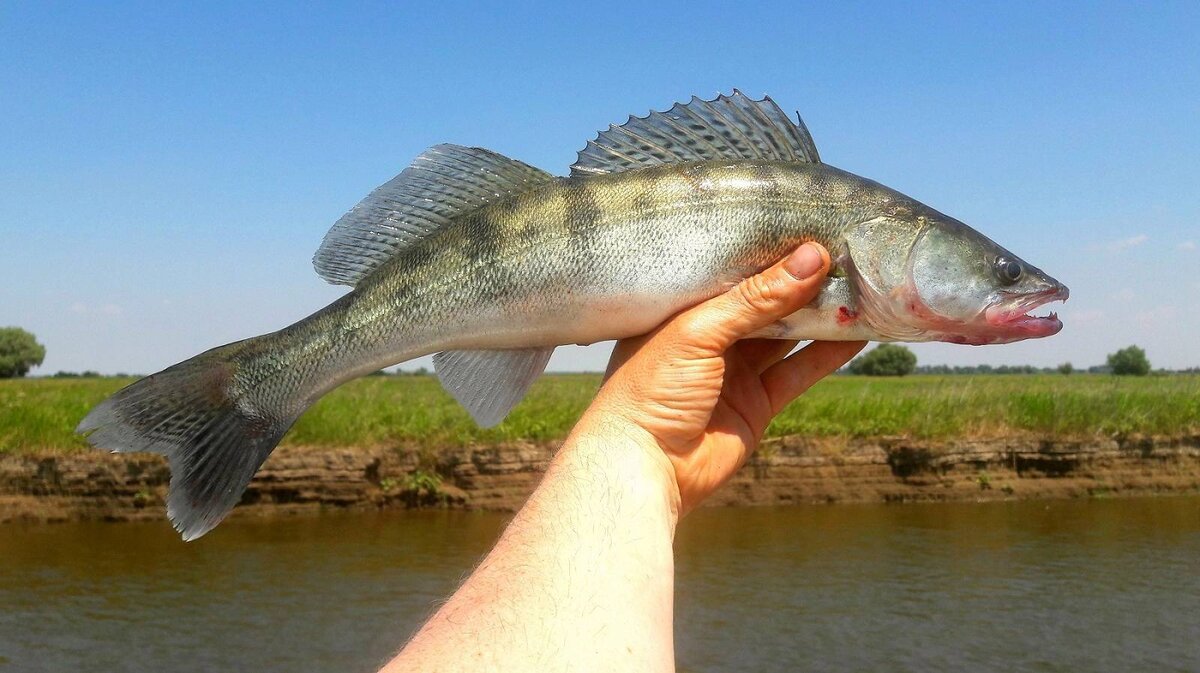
[[582, 579]]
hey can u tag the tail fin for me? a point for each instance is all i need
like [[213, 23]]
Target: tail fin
[[214, 432]]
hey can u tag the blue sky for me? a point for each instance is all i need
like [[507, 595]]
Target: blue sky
[[167, 171]]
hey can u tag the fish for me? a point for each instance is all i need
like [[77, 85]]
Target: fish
[[489, 264]]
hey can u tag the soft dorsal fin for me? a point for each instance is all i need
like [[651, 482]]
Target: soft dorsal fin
[[445, 181], [490, 383], [727, 127]]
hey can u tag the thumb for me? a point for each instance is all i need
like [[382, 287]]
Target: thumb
[[761, 299]]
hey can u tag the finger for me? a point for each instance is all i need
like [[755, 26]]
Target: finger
[[762, 353], [743, 392], [787, 380], [621, 352], [761, 299]]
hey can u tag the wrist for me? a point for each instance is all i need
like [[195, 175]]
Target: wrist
[[630, 457]]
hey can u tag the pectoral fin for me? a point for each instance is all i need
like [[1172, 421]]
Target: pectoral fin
[[490, 383]]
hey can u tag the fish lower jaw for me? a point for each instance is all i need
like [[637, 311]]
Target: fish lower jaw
[[1038, 325], [1011, 321], [1004, 328]]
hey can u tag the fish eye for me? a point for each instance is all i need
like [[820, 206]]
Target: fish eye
[[1008, 270]]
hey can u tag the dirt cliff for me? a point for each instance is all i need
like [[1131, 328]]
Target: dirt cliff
[[59, 487]]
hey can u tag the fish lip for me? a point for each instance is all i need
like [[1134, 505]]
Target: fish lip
[[1010, 316]]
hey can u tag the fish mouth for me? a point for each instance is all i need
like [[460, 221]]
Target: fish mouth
[[1010, 319], [1007, 320]]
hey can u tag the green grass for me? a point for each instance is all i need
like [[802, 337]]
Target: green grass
[[38, 414]]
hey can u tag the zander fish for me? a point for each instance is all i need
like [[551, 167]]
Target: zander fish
[[491, 263]]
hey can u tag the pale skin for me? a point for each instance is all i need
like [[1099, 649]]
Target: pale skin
[[583, 577]]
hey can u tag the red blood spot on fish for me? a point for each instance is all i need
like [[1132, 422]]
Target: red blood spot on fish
[[846, 316]]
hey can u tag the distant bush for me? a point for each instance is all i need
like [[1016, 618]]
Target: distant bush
[[1066, 368], [19, 352], [1129, 361], [885, 360], [972, 370]]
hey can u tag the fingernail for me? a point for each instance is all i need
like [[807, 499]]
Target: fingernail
[[804, 262]]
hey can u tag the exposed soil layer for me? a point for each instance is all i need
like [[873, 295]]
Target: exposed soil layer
[[75, 486]]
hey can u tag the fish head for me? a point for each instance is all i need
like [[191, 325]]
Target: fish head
[[930, 277]]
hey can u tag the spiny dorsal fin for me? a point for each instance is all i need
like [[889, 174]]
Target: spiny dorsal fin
[[445, 181], [490, 383], [727, 127]]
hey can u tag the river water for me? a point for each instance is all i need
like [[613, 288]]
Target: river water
[[1090, 585]]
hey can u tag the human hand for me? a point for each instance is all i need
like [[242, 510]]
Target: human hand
[[695, 392], [583, 577]]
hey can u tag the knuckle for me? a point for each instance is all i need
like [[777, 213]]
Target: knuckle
[[757, 292], [691, 324]]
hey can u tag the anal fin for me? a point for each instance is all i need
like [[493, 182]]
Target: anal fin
[[490, 383]]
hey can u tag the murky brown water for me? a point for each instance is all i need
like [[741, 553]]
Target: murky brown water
[[1107, 585]]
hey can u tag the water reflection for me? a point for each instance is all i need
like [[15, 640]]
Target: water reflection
[[1060, 586]]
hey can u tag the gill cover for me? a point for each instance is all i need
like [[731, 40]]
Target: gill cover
[[876, 260]]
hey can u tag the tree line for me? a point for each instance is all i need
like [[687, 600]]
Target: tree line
[[896, 360], [21, 352]]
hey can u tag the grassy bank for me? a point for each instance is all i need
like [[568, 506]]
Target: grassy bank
[[40, 414]]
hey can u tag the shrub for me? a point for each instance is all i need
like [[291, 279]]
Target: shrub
[[885, 360], [19, 352], [1130, 361]]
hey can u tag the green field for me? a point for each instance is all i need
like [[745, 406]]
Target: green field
[[39, 414]]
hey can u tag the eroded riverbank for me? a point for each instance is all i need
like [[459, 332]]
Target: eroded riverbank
[[98, 486]]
